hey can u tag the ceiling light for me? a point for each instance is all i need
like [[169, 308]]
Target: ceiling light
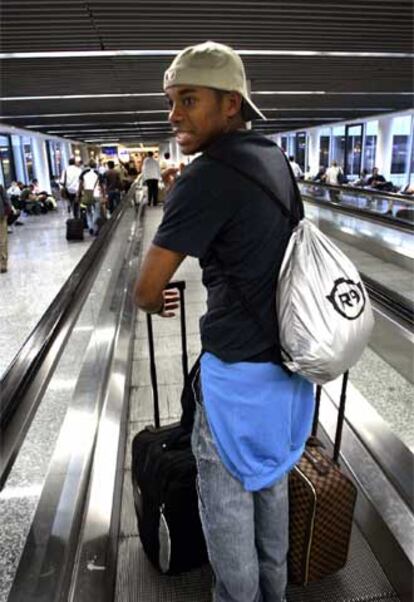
[[80, 96], [171, 53]]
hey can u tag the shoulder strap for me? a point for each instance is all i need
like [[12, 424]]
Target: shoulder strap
[[298, 210], [294, 218]]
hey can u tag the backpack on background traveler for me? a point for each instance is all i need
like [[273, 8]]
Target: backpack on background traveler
[[324, 313]]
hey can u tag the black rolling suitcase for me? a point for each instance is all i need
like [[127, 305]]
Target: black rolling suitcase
[[321, 506], [74, 229], [163, 480]]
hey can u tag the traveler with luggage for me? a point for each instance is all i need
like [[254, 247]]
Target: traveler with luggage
[[70, 186], [91, 194], [151, 175], [113, 186], [5, 211], [253, 417]]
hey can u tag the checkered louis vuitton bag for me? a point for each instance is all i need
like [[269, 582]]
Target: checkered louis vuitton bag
[[321, 501]]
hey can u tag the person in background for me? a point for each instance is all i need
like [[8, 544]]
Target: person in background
[[13, 191], [102, 169], [252, 419], [168, 172], [70, 185], [362, 180], [297, 172], [5, 211], [91, 193], [36, 187], [332, 174], [376, 180], [320, 176], [151, 176], [113, 186]]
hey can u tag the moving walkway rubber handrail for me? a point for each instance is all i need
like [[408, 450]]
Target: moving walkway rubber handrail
[[393, 302], [71, 550], [360, 190], [17, 407], [389, 220]]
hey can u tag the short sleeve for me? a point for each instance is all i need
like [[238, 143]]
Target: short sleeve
[[197, 208]]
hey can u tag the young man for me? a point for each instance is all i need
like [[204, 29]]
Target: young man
[[90, 194], [151, 175], [252, 417], [70, 184], [113, 186]]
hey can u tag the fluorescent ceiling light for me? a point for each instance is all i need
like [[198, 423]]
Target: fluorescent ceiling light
[[286, 109], [82, 114], [171, 53], [139, 123], [256, 93], [324, 93], [155, 111], [77, 96]]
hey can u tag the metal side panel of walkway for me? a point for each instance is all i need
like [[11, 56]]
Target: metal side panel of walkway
[[137, 581]]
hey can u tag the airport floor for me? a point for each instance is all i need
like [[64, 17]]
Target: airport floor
[[40, 261]]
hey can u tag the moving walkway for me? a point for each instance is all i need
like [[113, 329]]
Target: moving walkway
[[80, 543]]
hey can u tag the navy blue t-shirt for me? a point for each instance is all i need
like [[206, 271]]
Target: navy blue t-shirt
[[239, 234]]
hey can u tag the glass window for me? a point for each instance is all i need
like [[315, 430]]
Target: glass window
[[300, 150], [354, 149], [370, 145], [6, 160], [28, 158], [400, 140], [338, 145], [370, 151], [324, 147], [284, 143], [399, 154]]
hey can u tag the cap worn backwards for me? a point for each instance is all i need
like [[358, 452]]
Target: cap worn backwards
[[212, 65]]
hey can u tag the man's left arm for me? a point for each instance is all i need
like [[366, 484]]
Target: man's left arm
[[157, 269]]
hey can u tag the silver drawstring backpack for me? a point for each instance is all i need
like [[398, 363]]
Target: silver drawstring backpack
[[324, 313]]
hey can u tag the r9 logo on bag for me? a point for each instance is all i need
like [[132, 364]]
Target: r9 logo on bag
[[348, 298]]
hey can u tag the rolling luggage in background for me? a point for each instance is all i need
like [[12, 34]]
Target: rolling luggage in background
[[321, 506], [163, 480], [74, 229]]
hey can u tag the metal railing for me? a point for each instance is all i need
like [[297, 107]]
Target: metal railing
[[391, 208]]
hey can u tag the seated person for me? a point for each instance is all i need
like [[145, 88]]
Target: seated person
[[362, 180], [13, 191], [320, 176], [376, 180], [29, 201]]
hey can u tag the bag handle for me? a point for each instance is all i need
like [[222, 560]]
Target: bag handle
[[340, 419], [180, 285]]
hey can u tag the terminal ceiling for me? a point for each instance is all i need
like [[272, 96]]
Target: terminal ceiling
[[325, 61]]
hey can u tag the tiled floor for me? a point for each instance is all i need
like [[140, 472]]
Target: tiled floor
[[40, 261]]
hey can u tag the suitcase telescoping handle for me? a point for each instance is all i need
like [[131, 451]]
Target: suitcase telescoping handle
[[180, 285], [341, 416]]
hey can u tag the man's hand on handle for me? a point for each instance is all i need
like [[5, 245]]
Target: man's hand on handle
[[171, 302]]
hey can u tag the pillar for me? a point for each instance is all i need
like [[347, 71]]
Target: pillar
[[313, 151], [40, 163], [384, 147]]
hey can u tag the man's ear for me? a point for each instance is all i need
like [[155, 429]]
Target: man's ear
[[233, 103]]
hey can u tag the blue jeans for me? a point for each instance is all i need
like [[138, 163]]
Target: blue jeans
[[246, 532]]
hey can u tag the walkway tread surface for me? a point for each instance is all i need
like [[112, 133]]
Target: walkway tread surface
[[137, 581]]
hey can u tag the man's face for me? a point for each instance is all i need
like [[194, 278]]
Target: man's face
[[198, 115]]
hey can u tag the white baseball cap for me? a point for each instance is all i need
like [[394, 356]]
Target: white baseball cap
[[212, 65]]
